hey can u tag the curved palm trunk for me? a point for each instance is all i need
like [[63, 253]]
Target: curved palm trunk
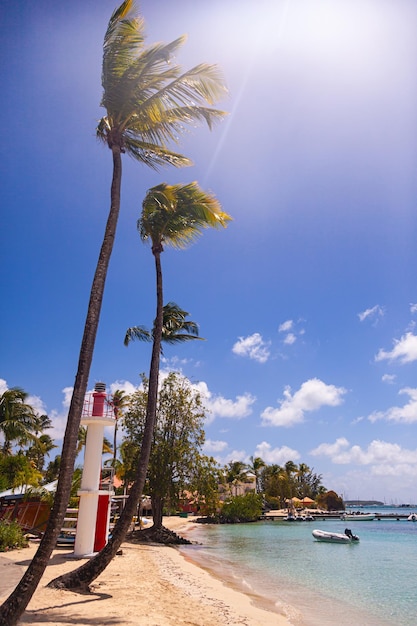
[[115, 443], [14, 606], [84, 575]]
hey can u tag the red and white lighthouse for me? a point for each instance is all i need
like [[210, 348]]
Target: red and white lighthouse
[[94, 507]]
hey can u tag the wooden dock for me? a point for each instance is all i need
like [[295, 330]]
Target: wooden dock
[[322, 517]]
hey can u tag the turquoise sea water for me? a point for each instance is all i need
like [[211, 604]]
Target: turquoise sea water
[[371, 583]]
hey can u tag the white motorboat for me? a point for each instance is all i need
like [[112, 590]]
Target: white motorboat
[[357, 517], [346, 537], [412, 517]]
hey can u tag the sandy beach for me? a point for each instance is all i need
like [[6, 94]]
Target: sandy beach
[[147, 585]]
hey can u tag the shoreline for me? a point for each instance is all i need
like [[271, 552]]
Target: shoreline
[[147, 584], [301, 605]]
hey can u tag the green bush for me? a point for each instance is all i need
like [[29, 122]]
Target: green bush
[[11, 536], [247, 508]]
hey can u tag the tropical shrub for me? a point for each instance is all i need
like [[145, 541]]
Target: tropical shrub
[[247, 508], [272, 503], [11, 536]]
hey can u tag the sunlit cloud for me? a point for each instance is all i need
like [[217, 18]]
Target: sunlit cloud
[[386, 458], [253, 347], [374, 313], [37, 404], [331, 450], [235, 455], [312, 395], [404, 350], [218, 406], [275, 455], [413, 308], [3, 385], [406, 414], [214, 447], [123, 385]]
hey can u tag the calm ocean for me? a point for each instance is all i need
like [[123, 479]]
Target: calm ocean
[[371, 583]]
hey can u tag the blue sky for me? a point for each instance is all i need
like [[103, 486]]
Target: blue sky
[[307, 301]]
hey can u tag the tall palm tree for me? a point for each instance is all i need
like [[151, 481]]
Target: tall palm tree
[[119, 400], [171, 215], [256, 466], [148, 104], [301, 479], [236, 472], [41, 448], [42, 444], [18, 420]]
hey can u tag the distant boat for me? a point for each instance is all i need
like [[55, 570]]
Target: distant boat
[[357, 517], [322, 535], [412, 517]]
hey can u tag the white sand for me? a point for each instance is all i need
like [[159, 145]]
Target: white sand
[[147, 585]]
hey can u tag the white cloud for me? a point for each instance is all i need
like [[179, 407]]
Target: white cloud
[[406, 414], [413, 308], [3, 386], [312, 395], [218, 406], [37, 403], [253, 347], [123, 385], [374, 313], [275, 455], [285, 326], [175, 362], [331, 449], [235, 455], [59, 417], [389, 378], [290, 339], [213, 447], [383, 457], [404, 350]]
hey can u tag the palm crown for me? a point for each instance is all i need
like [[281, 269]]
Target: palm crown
[[176, 215], [148, 100], [175, 328]]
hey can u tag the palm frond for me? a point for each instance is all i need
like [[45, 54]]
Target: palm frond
[[139, 333], [123, 40], [202, 83], [154, 155]]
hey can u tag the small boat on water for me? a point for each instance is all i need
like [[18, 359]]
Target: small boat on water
[[299, 518], [358, 517], [346, 537], [412, 517]]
